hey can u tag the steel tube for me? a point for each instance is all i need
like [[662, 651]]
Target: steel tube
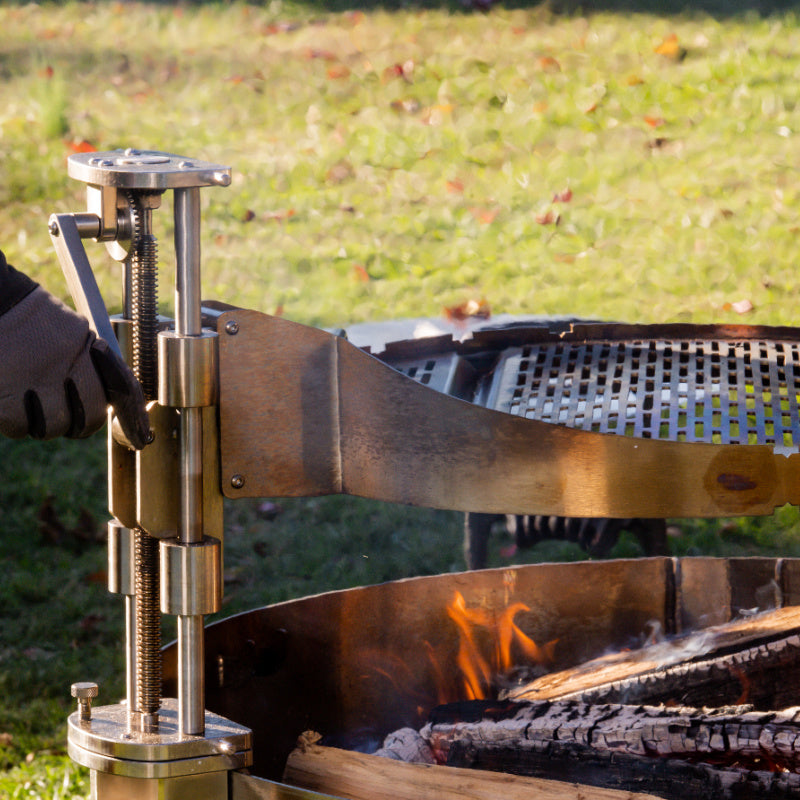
[[188, 322], [191, 680], [187, 256]]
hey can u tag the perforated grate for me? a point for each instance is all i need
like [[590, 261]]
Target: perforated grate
[[725, 392]]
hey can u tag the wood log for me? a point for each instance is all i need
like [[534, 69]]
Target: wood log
[[671, 752], [754, 660], [366, 777]]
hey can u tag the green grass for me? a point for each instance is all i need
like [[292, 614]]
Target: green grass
[[387, 163]]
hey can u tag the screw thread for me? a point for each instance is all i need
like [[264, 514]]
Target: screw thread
[[148, 624]]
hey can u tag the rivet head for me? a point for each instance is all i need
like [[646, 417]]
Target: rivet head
[[53, 228], [237, 481], [232, 327], [186, 164]]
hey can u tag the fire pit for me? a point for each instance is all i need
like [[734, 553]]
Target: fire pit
[[357, 664]]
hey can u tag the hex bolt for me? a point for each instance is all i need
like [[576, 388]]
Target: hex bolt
[[84, 691], [53, 228], [232, 327], [237, 481]]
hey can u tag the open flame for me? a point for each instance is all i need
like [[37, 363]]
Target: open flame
[[491, 644]]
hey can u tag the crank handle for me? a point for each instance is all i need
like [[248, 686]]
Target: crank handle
[[66, 232]]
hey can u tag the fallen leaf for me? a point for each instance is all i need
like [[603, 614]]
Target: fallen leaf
[[341, 171], [471, 309], [235, 79], [409, 105], [484, 215], [742, 306], [361, 273], [279, 216], [549, 217], [99, 578], [563, 196], [338, 72], [398, 70], [654, 122], [455, 186], [81, 146], [326, 55], [278, 27], [669, 47], [46, 72], [591, 109], [435, 114], [548, 64], [248, 215]]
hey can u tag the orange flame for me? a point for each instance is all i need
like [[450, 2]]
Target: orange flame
[[502, 638]]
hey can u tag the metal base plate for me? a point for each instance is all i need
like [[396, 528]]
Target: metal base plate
[[107, 743]]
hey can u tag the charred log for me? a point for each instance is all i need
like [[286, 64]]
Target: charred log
[[670, 752], [750, 660]]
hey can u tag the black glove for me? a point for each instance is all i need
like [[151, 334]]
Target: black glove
[[57, 378]]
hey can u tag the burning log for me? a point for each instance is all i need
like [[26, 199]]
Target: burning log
[[671, 752], [363, 777], [751, 660]]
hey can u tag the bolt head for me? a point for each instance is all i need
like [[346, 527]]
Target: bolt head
[[232, 327], [84, 690], [53, 228], [237, 481]]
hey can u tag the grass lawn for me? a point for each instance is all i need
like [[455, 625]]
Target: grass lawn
[[387, 163]]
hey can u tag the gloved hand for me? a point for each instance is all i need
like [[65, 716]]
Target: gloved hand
[[57, 378]]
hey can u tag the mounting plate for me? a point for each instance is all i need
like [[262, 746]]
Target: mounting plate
[[145, 169]]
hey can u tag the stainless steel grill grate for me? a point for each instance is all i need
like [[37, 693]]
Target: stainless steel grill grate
[[728, 392]]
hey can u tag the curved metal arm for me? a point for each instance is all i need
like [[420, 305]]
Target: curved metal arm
[[304, 412]]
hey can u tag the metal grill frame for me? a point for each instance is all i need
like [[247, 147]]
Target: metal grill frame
[[693, 390], [694, 383]]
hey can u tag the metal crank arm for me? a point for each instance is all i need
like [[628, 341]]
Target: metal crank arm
[[66, 232]]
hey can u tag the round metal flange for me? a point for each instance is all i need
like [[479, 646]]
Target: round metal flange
[[107, 743], [145, 169]]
